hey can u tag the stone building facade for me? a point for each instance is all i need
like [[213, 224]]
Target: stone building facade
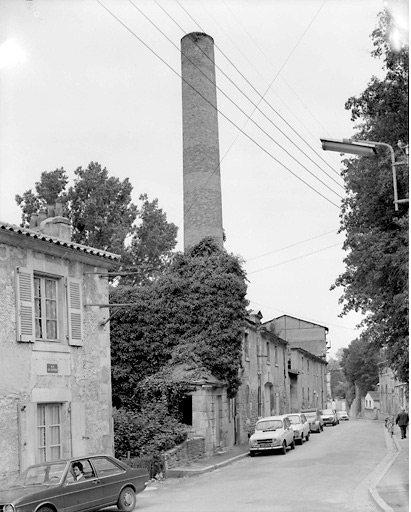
[[265, 384], [308, 383], [55, 372]]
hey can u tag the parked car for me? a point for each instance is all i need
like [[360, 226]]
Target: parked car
[[342, 415], [329, 417], [271, 433], [57, 486], [314, 419], [300, 426]]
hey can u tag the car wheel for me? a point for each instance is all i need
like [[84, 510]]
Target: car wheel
[[321, 428], [307, 437], [252, 454], [45, 509], [284, 448], [127, 499], [292, 445]]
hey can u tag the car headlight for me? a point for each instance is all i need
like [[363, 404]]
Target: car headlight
[[8, 508]]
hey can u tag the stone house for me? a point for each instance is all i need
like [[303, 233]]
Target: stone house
[[55, 372], [308, 385], [393, 394], [265, 384], [206, 408], [372, 400], [301, 333]]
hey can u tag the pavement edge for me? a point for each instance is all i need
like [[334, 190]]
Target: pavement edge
[[179, 473], [376, 499]]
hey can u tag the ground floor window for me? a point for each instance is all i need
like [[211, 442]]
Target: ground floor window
[[49, 447]]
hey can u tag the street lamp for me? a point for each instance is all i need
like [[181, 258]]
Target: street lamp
[[365, 148]]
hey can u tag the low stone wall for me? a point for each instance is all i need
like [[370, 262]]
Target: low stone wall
[[186, 452]]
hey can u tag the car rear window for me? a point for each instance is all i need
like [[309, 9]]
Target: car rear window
[[105, 467], [295, 419]]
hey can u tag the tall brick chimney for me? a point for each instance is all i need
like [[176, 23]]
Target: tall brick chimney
[[201, 154]]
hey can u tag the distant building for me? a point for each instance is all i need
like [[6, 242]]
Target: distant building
[[301, 333], [393, 394], [372, 400], [55, 372]]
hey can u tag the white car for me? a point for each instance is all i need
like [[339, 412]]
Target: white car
[[272, 433], [300, 426], [342, 415]]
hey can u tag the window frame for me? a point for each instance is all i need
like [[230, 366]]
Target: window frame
[[47, 434]]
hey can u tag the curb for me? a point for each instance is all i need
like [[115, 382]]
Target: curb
[[376, 499], [179, 473]]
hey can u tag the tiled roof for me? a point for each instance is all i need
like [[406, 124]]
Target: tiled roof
[[31, 233]]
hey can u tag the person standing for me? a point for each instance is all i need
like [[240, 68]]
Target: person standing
[[402, 421]]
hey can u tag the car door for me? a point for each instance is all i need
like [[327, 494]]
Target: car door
[[289, 432], [112, 477], [85, 494]]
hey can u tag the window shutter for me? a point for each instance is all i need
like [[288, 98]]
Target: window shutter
[[75, 310], [25, 305]]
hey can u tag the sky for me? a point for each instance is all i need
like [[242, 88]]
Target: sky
[[99, 80]]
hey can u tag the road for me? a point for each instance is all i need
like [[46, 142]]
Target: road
[[330, 472]]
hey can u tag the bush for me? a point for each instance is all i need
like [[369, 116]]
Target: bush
[[152, 431]]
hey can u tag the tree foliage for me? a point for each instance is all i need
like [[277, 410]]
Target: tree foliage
[[103, 216], [375, 281], [193, 314], [360, 364]]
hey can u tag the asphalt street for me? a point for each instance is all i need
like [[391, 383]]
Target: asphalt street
[[330, 472]]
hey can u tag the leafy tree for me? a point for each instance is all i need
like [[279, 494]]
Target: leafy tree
[[151, 246], [375, 281], [337, 378], [103, 216], [49, 190], [360, 364], [192, 314]]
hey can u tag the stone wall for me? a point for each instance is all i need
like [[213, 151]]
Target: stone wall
[[185, 453]]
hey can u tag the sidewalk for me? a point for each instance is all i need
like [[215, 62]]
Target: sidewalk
[[206, 464], [393, 487]]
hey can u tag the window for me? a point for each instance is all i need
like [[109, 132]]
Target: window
[[105, 467], [45, 308], [48, 432], [48, 308], [267, 349], [308, 366], [276, 355]]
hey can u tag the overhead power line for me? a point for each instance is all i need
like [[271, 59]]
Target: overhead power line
[[262, 98], [221, 113], [292, 245], [294, 259], [240, 109]]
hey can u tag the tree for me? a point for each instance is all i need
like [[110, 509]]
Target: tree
[[49, 190], [150, 250], [103, 216], [338, 381], [360, 364], [193, 314], [375, 281]]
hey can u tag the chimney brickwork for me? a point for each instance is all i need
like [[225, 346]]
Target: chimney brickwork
[[201, 155]]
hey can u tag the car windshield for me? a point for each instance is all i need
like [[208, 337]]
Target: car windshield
[[42, 474], [269, 425], [328, 411], [295, 419]]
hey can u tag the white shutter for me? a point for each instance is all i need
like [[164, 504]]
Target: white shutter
[[25, 305], [75, 312]]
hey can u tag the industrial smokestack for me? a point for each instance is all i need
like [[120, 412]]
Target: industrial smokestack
[[201, 154]]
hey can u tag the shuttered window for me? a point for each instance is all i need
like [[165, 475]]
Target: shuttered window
[[49, 308]]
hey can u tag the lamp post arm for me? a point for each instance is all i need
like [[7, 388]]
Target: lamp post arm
[[394, 171]]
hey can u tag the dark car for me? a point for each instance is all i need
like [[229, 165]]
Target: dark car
[[329, 417], [85, 483], [314, 419]]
